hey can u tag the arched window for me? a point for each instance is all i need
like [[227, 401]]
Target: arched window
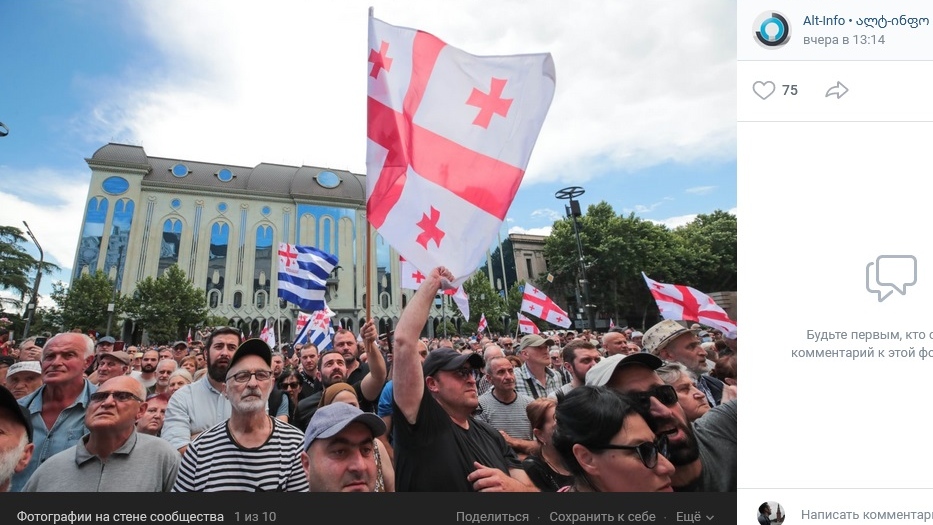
[[92, 235], [171, 242], [217, 258], [262, 267]]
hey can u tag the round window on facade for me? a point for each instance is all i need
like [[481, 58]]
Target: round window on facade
[[225, 175], [179, 170], [176, 203], [222, 207], [327, 179]]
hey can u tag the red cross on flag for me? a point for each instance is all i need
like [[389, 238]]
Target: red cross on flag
[[411, 276], [482, 324], [536, 303], [683, 303], [449, 138], [527, 326]]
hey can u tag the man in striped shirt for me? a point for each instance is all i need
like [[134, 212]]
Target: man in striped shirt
[[251, 451]]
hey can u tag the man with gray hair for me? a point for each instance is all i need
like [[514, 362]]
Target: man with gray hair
[[57, 408], [15, 438], [672, 341], [504, 408], [113, 457]]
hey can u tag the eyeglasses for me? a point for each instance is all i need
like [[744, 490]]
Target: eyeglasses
[[464, 373], [288, 386], [647, 451], [507, 345], [243, 377], [664, 393], [118, 396]]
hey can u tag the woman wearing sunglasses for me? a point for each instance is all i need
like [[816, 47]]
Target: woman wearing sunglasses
[[607, 445]]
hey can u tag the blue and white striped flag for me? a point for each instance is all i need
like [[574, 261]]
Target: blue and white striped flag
[[303, 272], [315, 328]]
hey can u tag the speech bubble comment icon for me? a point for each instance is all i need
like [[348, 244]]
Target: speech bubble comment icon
[[891, 271]]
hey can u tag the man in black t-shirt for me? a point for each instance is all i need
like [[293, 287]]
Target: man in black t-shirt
[[438, 445]]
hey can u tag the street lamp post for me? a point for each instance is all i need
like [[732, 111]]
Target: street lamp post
[[31, 306], [573, 211]]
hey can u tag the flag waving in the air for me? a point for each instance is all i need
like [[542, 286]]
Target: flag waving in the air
[[449, 138]]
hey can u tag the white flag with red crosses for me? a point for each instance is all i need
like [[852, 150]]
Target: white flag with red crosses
[[482, 324], [449, 138], [411, 276], [537, 304], [683, 303]]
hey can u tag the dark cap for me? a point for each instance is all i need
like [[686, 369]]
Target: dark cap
[[449, 359], [106, 339], [600, 374], [252, 347], [9, 402], [180, 343]]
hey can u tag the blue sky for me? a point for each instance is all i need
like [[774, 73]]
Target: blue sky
[[643, 116]]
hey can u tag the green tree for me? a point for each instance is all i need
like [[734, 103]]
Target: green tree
[[84, 304], [484, 300], [17, 267], [166, 307], [712, 240], [617, 249]]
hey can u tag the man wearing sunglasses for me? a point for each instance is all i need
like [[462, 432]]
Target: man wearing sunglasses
[[113, 457], [439, 446], [252, 451], [703, 453]]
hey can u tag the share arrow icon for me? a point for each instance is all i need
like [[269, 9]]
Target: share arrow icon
[[838, 90]]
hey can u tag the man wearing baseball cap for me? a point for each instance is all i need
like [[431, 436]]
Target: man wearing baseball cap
[[250, 439], [343, 427], [433, 406], [704, 453], [672, 341], [112, 364], [15, 438], [23, 378], [535, 378]]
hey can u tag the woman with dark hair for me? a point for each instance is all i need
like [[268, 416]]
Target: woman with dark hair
[[544, 467], [607, 446]]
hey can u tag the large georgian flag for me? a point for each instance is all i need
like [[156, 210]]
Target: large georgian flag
[[678, 302], [536, 303], [482, 324], [449, 138]]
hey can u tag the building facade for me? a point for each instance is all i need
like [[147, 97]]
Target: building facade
[[222, 224]]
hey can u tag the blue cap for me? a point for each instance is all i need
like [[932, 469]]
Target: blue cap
[[330, 420]]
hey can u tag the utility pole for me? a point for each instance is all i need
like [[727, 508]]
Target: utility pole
[[31, 305], [573, 211]]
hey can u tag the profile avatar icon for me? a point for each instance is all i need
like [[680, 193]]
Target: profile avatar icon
[[772, 29]]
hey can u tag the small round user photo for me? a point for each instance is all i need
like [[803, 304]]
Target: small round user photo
[[770, 513]]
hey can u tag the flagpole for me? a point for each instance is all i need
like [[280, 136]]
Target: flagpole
[[369, 248]]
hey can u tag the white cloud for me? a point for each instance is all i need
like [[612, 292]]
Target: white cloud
[[282, 81], [547, 213], [544, 230], [673, 222], [700, 190], [53, 209]]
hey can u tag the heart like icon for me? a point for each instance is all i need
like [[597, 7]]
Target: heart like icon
[[763, 89]]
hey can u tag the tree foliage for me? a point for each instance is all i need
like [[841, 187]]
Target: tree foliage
[[617, 249], [168, 306], [17, 267], [84, 304]]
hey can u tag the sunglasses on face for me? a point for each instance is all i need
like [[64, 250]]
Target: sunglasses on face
[[289, 386], [666, 394], [464, 373], [647, 452], [119, 396]]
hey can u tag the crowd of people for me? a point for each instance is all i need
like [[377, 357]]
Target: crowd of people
[[559, 411]]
